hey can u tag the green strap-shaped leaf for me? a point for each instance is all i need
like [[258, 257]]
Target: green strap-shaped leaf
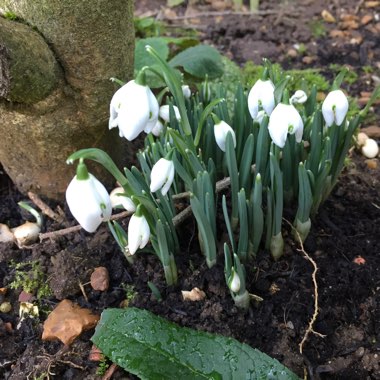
[[153, 348]]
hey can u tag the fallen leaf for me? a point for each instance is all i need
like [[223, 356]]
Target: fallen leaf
[[337, 33], [371, 4], [327, 16], [100, 279], [67, 321], [25, 296], [194, 294], [366, 19]]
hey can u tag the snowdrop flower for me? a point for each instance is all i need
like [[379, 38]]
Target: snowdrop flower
[[234, 281], [221, 129], [118, 198], [283, 120], [138, 231], [88, 199], [186, 91], [165, 114], [335, 107], [133, 109], [299, 97], [158, 128], [261, 95], [162, 175]]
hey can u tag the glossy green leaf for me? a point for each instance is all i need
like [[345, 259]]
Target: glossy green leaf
[[152, 348]]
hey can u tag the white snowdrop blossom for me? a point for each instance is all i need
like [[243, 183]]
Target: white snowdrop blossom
[[335, 107], [118, 198], [158, 128], [299, 97], [133, 109], [261, 94], [89, 202], [165, 114], [186, 91], [162, 176], [234, 283], [221, 130], [283, 120], [138, 233]]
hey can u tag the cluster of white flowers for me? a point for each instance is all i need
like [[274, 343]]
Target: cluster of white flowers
[[134, 109]]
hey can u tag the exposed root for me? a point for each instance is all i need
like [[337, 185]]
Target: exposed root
[[46, 210], [309, 329]]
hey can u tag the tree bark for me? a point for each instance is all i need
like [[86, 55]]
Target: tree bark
[[55, 90]]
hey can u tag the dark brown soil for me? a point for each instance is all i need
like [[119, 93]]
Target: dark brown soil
[[345, 228]]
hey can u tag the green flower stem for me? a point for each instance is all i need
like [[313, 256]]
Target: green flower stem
[[174, 85]]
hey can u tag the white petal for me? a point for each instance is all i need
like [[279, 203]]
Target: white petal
[[235, 283], [158, 128], [165, 113], [138, 233], [153, 112], [186, 91], [220, 132], [89, 202], [278, 126], [159, 174], [299, 97], [169, 179], [118, 198], [262, 91], [335, 107]]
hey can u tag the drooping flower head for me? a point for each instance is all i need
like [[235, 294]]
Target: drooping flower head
[[299, 97], [162, 174], [88, 199], [133, 109], [118, 198], [283, 120], [165, 113], [335, 107], [260, 96], [138, 231], [221, 130]]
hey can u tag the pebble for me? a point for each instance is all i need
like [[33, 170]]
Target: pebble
[[100, 279], [5, 307]]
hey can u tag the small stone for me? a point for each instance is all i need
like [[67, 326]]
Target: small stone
[[371, 4], [292, 53], [67, 321], [362, 138], [6, 235], [100, 279], [5, 307], [308, 60], [370, 149], [372, 131], [194, 295], [371, 163], [327, 16]]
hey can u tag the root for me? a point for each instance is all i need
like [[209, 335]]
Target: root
[[309, 329]]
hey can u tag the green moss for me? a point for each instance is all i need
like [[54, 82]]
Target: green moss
[[351, 76], [10, 16], [30, 278]]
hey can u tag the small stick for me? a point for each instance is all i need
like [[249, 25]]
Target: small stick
[[46, 210], [314, 278], [69, 230], [110, 371]]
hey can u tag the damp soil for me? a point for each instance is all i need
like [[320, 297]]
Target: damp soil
[[344, 241]]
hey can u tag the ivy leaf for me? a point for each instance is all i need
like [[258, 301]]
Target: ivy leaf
[[142, 58], [152, 348], [200, 61]]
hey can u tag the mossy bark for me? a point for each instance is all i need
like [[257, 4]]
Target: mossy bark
[[55, 90]]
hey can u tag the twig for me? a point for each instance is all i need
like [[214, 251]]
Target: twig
[[228, 13], [314, 278], [109, 372], [69, 230], [46, 210]]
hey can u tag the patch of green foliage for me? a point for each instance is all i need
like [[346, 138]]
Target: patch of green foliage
[[102, 366], [130, 292], [351, 76], [318, 28], [299, 79], [30, 278], [10, 16]]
